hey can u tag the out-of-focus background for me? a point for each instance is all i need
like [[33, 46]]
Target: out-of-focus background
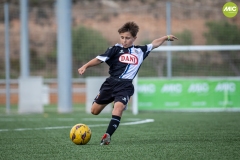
[[94, 26], [187, 92]]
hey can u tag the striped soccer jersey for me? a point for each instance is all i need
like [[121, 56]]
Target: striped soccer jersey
[[124, 63]]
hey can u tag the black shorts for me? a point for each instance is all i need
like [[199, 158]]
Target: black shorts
[[114, 89]]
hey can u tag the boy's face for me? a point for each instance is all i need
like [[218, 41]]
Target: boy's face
[[127, 39]]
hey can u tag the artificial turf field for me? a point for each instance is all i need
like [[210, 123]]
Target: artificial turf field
[[172, 135]]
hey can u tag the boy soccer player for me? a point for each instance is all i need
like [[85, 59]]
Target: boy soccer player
[[124, 61]]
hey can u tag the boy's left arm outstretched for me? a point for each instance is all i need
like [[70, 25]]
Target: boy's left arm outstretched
[[158, 42]]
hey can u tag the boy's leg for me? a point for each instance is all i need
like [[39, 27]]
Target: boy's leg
[[118, 109], [114, 123], [103, 98], [116, 117], [97, 108]]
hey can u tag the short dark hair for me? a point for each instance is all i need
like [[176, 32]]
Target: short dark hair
[[131, 27]]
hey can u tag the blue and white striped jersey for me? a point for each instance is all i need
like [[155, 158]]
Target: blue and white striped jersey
[[124, 63]]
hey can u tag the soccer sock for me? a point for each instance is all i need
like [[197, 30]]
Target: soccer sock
[[113, 125]]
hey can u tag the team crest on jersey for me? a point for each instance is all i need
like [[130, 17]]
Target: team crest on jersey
[[128, 58], [121, 51]]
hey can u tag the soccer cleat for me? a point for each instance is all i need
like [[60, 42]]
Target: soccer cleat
[[105, 139]]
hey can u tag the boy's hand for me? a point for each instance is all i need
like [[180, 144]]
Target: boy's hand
[[171, 38], [81, 70]]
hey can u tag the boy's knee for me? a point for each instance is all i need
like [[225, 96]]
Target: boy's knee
[[94, 112], [97, 108]]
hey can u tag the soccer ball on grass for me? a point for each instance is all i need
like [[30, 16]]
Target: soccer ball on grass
[[80, 134]]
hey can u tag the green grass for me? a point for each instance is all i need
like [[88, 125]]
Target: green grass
[[171, 136]]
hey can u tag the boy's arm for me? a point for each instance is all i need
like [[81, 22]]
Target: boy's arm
[[158, 42], [91, 63]]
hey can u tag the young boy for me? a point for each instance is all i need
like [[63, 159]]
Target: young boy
[[124, 61]]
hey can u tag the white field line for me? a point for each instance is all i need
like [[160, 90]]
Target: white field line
[[63, 127], [138, 122]]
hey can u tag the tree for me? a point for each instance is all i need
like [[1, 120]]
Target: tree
[[87, 44], [224, 33]]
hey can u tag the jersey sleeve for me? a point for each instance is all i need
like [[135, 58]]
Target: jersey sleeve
[[146, 50], [108, 54], [149, 47]]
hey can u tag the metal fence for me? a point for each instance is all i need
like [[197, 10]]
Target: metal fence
[[95, 26]]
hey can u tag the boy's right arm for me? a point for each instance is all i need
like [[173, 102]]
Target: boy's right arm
[[91, 63]]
